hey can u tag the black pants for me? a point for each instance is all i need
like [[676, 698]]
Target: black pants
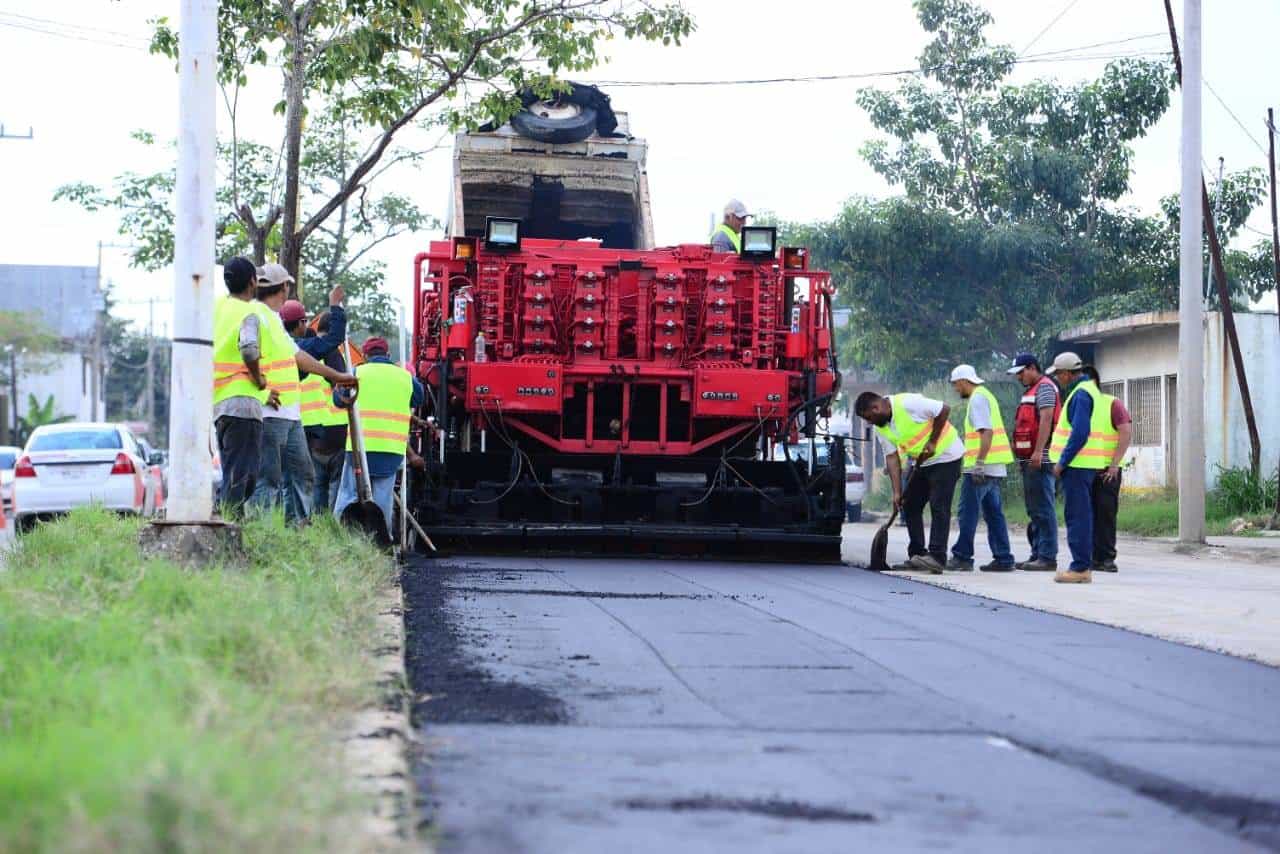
[[935, 486], [1105, 496], [240, 450]]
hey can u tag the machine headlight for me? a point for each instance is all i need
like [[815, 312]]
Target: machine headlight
[[501, 233]]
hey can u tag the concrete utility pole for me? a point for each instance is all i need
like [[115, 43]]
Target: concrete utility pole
[[1190, 425], [190, 494], [1275, 245]]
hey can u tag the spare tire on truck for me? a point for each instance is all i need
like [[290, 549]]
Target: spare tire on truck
[[568, 117]]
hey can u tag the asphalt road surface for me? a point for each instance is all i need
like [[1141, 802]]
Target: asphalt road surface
[[664, 706]]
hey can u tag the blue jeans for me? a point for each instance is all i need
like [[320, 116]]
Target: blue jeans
[[1077, 494], [328, 474], [383, 493], [984, 497], [287, 476], [1042, 529]]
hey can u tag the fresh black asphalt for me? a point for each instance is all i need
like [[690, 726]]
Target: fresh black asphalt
[[618, 706]]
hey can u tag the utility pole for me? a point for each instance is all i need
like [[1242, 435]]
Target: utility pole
[[149, 403], [1217, 213], [190, 495], [1275, 245], [1190, 426]]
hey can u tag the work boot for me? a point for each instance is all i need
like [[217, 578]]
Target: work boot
[[905, 566], [1106, 566], [1071, 576], [1039, 565], [996, 567], [928, 563], [956, 564]]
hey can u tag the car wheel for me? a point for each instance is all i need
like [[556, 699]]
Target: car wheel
[[570, 117], [854, 512]]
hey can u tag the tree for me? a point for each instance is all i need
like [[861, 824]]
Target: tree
[[38, 415], [389, 64]]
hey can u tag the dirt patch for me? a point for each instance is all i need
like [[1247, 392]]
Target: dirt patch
[[449, 683], [771, 807]]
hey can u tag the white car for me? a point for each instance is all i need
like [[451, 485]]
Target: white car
[[8, 459], [70, 465]]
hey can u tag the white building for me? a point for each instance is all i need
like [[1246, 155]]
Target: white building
[[1137, 358], [68, 302]]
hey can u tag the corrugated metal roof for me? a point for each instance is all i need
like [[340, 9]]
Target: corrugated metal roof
[[66, 298]]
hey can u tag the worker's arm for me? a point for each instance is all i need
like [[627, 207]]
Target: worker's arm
[[893, 467], [1122, 446], [419, 394], [309, 364], [1042, 437], [939, 424]]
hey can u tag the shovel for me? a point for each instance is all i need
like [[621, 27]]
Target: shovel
[[364, 513], [880, 542]]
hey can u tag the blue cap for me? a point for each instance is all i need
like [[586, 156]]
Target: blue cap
[[1021, 361]]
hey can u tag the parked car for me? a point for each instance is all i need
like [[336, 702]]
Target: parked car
[[8, 459], [64, 466], [158, 468]]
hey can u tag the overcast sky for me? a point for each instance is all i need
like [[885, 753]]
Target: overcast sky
[[77, 72]]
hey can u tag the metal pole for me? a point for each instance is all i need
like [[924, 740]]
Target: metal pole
[[1275, 244], [1190, 307], [404, 463], [1217, 214], [190, 499]]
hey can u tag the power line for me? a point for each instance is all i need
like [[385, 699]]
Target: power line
[[1234, 117], [1049, 26], [72, 36], [74, 26]]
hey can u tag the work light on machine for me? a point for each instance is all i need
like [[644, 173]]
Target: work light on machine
[[501, 233], [759, 241]]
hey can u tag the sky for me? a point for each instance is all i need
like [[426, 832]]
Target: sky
[[77, 73]]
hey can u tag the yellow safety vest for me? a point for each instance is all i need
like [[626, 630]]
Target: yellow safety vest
[[1103, 437], [1000, 451], [230, 376], [317, 404], [733, 236], [278, 364], [385, 393], [909, 435]]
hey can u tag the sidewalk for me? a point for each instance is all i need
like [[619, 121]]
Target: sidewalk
[[1224, 597]]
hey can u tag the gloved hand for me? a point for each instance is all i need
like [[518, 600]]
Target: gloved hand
[[979, 478]]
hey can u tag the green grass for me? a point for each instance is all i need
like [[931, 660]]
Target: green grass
[[144, 707]]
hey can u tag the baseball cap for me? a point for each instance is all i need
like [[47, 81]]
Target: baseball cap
[[1021, 360], [1067, 361], [375, 344], [737, 208], [271, 275], [238, 273], [292, 311], [966, 372]]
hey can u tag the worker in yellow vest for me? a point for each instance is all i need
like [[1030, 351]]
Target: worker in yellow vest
[[1083, 444], [239, 387], [324, 423], [287, 475], [987, 452], [388, 396], [728, 235], [916, 427]]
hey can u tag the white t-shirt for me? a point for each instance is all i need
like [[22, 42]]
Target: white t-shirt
[[922, 409], [288, 413], [980, 419]]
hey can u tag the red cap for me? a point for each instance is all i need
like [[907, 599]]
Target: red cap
[[375, 345], [292, 311]]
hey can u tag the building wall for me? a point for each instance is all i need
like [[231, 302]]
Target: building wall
[[69, 379], [1152, 355]]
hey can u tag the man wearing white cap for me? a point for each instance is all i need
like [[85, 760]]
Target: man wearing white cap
[[728, 235], [986, 454]]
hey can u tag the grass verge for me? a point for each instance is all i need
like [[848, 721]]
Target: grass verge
[[144, 707]]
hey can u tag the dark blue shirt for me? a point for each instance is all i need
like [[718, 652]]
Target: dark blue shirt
[[382, 463], [1079, 416], [319, 346]]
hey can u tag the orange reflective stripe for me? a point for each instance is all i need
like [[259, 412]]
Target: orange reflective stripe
[[314, 406], [399, 417], [283, 387], [228, 366], [277, 365], [922, 433], [219, 382], [385, 434]]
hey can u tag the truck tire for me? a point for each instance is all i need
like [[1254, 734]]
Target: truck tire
[[571, 117]]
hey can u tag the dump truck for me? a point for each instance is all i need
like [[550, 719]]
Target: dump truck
[[588, 392]]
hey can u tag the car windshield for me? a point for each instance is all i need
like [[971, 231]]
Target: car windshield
[[7, 460], [77, 440]]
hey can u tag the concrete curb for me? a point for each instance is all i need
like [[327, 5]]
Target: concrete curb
[[376, 741]]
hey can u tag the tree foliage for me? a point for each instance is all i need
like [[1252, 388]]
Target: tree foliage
[[388, 64], [1011, 227]]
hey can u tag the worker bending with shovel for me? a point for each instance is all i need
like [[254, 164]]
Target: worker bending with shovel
[[916, 426], [378, 437]]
